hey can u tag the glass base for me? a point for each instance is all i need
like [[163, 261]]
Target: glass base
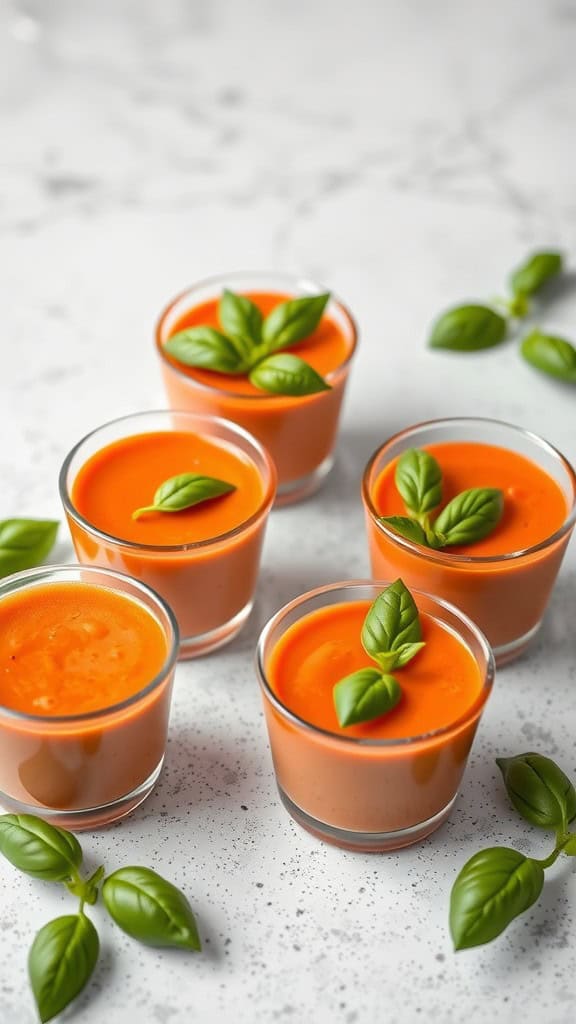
[[296, 490], [195, 646], [78, 820], [509, 652], [365, 842]]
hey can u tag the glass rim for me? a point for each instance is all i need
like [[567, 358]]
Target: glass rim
[[215, 279], [444, 557], [360, 741], [133, 545], [19, 581]]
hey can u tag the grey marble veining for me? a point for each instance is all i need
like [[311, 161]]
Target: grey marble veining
[[408, 154]]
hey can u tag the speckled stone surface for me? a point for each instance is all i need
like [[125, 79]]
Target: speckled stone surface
[[407, 154]]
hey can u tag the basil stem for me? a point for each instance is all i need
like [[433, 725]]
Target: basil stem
[[552, 355], [150, 909], [539, 790], [365, 695], [184, 491], [61, 961], [468, 328], [25, 543]]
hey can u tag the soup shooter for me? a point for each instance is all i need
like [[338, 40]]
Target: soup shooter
[[181, 503], [269, 352], [86, 665], [372, 697], [478, 512]]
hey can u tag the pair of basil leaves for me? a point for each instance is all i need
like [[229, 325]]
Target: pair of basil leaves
[[472, 327], [469, 517], [250, 344]]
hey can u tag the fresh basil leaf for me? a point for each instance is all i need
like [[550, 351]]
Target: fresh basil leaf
[[552, 355], [285, 374], [418, 478], [25, 543], [539, 790], [535, 272], [184, 491], [365, 695], [392, 622], [493, 887], [150, 909], [39, 849], [61, 961], [468, 328], [291, 321], [400, 657], [240, 319], [470, 516], [207, 349], [408, 528]]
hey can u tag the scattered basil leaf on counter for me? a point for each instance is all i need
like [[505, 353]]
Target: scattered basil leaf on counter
[[365, 695], [552, 355], [539, 790], [240, 319], [39, 849], [285, 374], [25, 543], [469, 517], [184, 491], [418, 478], [406, 527], [150, 909], [539, 268], [391, 623], [292, 321], [207, 349], [61, 962], [493, 887], [468, 328]]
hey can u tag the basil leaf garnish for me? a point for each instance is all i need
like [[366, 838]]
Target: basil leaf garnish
[[184, 491], [61, 961], [535, 272], [25, 543], [493, 887], [408, 528], [468, 328], [207, 349], [240, 319], [539, 790], [552, 355], [285, 374], [392, 623], [469, 517], [291, 321], [365, 695], [150, 909], [418, 478], [37, 848]]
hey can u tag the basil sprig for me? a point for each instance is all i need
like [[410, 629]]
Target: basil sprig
[[391, 636], [184, 491], [25, 543], [469, 517], [247, 343], [552, 355], [65, 951], [498, 884]]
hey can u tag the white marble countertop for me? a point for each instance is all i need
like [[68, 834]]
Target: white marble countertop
[[408, 154]]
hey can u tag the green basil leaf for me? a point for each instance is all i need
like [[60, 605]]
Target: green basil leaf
[[291, 321], [25, 543], [365, 695], [285, 374], [570, 847], [535, 272], [493, 887], [539, 790], [184, 491], [41, 850], [392, 622], [240, 319], [150, 909], [61, 961], [468, 328], [552, 355], [470, 516], [418, 478], [398, 658], [408, 528], [207, 349]]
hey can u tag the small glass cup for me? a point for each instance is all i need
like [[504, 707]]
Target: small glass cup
[[506, 595], [299, 432], [85, 771], [363, 794], [209, 584]]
